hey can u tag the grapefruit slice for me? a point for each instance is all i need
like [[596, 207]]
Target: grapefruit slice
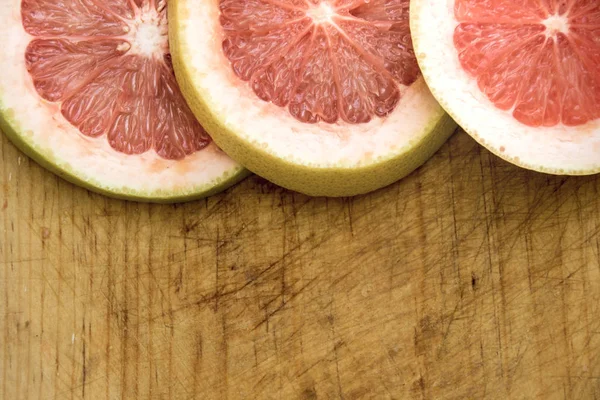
[[87, 89], [322, 97], [522, 77]]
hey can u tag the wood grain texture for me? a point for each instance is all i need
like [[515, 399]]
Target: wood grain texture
[[469, 279]]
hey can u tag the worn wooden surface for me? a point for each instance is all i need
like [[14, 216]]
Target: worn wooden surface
[[470, 279]]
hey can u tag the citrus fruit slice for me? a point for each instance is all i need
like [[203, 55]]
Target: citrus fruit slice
[[87, 89], [522, 77], [322, 97]]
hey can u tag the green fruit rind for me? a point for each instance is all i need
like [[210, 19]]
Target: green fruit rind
[[46, 158], [330, 181]]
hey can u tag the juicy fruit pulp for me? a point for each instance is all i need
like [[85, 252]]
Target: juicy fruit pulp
[[325, 60], [106, 63], [537, 59]]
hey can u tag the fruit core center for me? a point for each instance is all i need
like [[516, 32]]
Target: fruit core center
[[556, 24], [148, 34], [321, 13]]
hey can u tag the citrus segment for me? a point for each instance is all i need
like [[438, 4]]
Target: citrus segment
[[75, 17], [89, 91], [60, 67], [324, 97]]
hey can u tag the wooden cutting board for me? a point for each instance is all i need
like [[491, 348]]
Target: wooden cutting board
[[470, 279]]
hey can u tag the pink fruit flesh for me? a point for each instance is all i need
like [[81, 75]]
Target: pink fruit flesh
[[83, 56], [324, 60], [537, 58]]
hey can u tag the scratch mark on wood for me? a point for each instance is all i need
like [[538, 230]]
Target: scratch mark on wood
[[282, 306], [224, 358], [84, 370], [197, 364], [490, 264], [57, 320], [348, 202], [137, 328], [217, 259], [335, 349], [108, 322], [5, 352], [42, 319], [29, 315], [171, 335]]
